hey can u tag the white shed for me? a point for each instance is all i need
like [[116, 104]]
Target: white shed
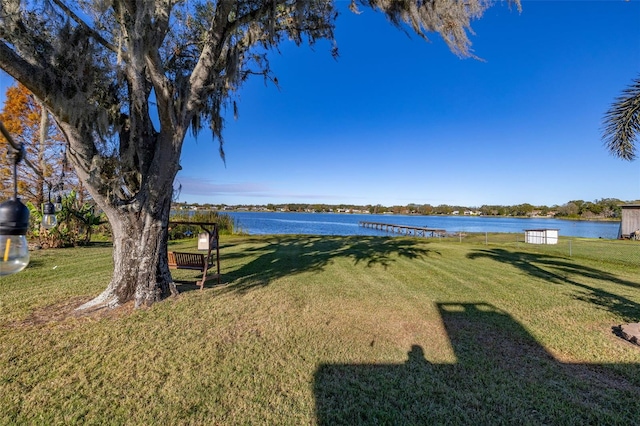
[[541, 236]]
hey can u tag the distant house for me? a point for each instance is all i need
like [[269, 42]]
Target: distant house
[[541, 236], [630, 223]]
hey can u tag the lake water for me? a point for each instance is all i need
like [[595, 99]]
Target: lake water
[[258, 223]]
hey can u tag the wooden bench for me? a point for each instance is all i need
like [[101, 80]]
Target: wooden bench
[[193, 261]]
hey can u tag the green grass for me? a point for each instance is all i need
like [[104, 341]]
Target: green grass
[[328, 330]]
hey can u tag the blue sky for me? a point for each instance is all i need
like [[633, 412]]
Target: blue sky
[[396, 120]]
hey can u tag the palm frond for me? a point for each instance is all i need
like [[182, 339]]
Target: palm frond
[[622, 123]]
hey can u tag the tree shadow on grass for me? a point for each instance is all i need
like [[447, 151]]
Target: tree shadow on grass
[[186, 282], [36, 263], [289, 255], [106, 244], [501, 376], [558, 270]]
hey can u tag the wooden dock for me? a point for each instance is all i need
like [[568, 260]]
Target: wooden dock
[[416, 231]]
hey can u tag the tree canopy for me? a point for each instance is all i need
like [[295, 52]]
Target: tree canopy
[[126, 79]]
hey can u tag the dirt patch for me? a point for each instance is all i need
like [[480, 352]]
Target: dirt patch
[[59, 313]]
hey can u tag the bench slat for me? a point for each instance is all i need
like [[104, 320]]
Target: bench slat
[[192, 261]]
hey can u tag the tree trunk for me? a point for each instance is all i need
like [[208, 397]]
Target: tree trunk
[[134, 189], [141, 270]]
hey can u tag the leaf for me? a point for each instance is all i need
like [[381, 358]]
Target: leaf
[[622, 123]]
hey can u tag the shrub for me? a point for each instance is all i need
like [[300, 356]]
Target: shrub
[[226, 224], [76, 224]]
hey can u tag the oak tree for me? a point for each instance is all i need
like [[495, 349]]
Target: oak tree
[[106, 69]]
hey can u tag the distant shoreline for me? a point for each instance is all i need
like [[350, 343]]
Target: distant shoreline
[[244, 210]]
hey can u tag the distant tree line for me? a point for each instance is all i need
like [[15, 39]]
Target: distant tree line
[[605, 208]]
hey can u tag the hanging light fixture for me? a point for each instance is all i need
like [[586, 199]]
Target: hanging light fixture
[[58, 203], [49, 216], [49, 213], [49, 209], [14, 223]]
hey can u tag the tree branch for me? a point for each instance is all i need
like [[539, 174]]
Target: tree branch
[[206, 61], [157, 75], [84, 25], [220, 28], [161, 24], [18, 148]]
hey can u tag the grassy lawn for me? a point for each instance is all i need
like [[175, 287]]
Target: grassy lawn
[[331, 330]]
